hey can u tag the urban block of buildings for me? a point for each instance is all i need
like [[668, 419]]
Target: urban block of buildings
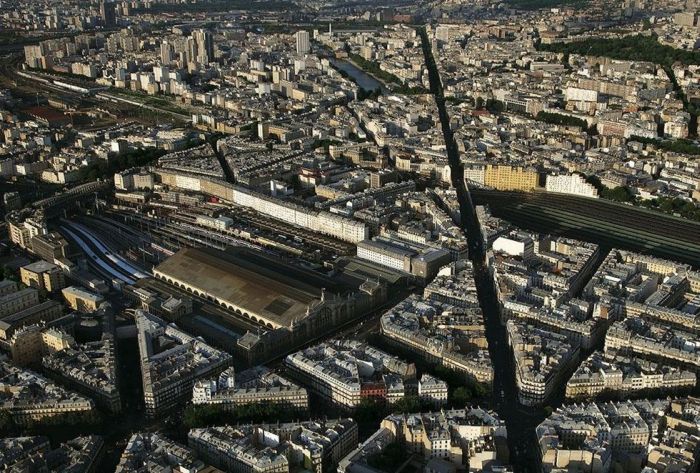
[[651, 435], [543, 360], [347, 371], [80, 454], [90, 368], [28, 397], [540, 280], [256, 385], [171, 362], [610, 373], [445, 326], [317, 446], [147, 451], [473, 438]]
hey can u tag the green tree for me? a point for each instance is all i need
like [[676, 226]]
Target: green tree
[[460, 396], [495, 106], [9, 273], [390, 458], [480, 390], [618, 194], [666, 205], [559, 119], [406, 405], [370, 410], [628, 48], [7, 424]]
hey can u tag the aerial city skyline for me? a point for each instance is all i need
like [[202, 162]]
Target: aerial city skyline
[[331, 236]]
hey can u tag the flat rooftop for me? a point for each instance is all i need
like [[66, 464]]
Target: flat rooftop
[[40, 266], [358, 271], [270, 292]]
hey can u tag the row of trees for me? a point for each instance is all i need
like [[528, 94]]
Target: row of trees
[[371, 411], [628, 48], [674, 206], [363, 93], [675, 146], [207, 415], [403, 89], [8, 273], [373, 68], [690, 107], [497, 107], [559, 119], [461, 390]]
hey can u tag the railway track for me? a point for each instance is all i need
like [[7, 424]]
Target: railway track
[[602, 222]]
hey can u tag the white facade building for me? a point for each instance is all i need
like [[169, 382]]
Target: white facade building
[[571, 184], [515, 245], [302, 38]]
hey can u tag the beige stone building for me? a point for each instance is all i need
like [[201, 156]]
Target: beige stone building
[[17, 301], [511, 178], [81, 300], [43, 275], [28, 345]]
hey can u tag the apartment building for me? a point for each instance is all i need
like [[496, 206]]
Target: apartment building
[[171, 362], [346, 372], [43, 276], [318, 446], [32, 398], [18, 300], [81, 300], [254, 386]]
